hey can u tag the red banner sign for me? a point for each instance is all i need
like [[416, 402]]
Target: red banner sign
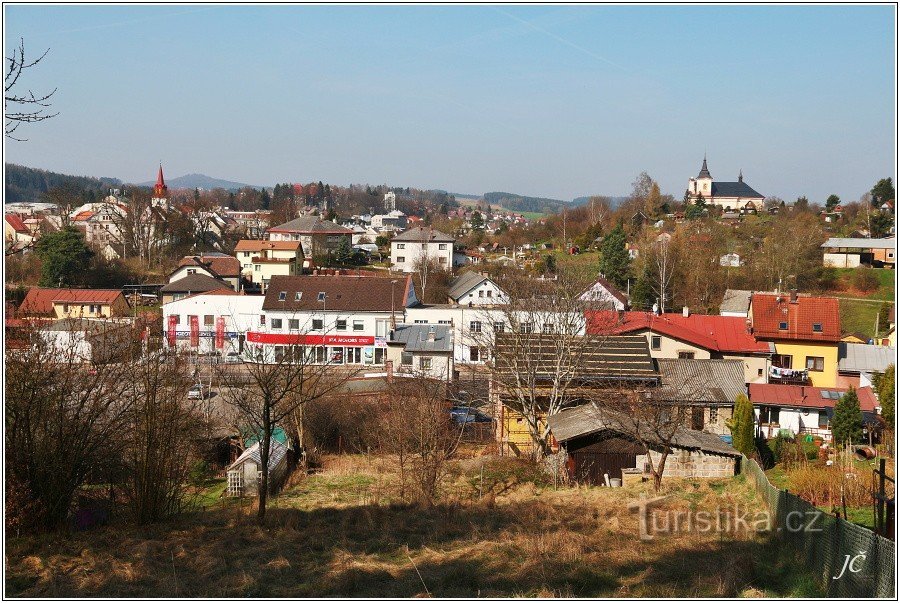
[[173, 323], [220, 332], [286, 339], [195, 331]]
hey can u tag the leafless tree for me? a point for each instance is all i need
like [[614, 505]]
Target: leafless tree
[[660, 256], [425, 266], [20, 107]]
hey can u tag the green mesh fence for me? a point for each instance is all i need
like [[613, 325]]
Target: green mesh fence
[[828, 543]]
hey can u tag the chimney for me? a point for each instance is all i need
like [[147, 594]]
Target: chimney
[[431, 334], [685, 311], [793, 296], [389, 369]]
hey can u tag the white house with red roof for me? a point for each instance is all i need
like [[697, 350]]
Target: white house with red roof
[[16, 234]]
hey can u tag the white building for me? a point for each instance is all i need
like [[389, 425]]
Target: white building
[[409, 248], [604, 295], [391, 221], [730, 196], [475, 289]]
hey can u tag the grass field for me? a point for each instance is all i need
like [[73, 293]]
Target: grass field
[[343, 533]]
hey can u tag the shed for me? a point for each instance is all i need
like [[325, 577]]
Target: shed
[[245, 472]]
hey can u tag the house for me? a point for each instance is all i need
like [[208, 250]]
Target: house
[[690, 336], [859, 362], [244, 474], [410, 247], [16, 234], [726, 195], [42, 302], [214, 265], [805, 331], [736, 302], [88, 340], [730, 260], [613, 362], [391, 221], [475, 289], [191, 284], [318, 237], [851, 253], [600, 442], [421, 350], [603, 294], [856, 337], [800, 409], [262, 260], [708, 387]]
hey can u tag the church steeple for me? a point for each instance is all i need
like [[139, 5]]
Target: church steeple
[[160, 191], [704, 171], [740, 175]]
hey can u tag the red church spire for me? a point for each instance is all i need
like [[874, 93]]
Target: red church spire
[[160, 190]]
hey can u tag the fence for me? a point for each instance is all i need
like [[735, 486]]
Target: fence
[[830, 547]]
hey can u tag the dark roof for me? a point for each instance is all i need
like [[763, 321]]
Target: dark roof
[[863, 358], [195, 283], [704, 171], [219, 264], [610, 358], [689, 380], [310, 225], [415, 338], [589, 419], [464, 283], [734, 189], [342, 293], [423, 234], [736, 300]]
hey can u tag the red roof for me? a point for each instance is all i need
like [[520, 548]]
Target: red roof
[[39, 301], [770, 312], [17, 223], [802, 396], [712, 332]]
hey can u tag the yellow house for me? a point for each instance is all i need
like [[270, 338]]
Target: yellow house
[[261, 260], [805, 331], [74, 303]]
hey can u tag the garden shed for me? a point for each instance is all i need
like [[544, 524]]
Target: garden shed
[[245, 472]]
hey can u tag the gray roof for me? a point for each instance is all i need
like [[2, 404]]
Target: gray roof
[[195, 283], [861, 243], [464, 283], [709, 381], [734, 189], [311, 224], [415, 338], [277, 452], [704, 171], [864, 358], [589, 419], [422, 234], [736, 300]]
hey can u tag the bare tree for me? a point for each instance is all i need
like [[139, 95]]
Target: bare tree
[[20, 107], [659, 257]]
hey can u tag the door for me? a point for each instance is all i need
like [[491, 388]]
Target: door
[[697, 419], [591, 466]]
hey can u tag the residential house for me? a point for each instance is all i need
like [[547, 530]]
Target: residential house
[[805, 331], [800, 409], [858, 363], [851, 253], [254, 223], [390, 222], [708, 387], [192, 284], [17, 236], [43, 302], [421, 350], [318, 237], [603, 294], [262, 260], [730, 260], [410, 247], [600, 444], [475, 289], [215, 265], [736, 302], [245, 473]]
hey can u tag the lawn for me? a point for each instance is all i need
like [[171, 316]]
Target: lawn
[[885, 291], [501, 529], [859, 317]]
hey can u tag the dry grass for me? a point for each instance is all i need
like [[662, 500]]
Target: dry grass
[[342, 533]]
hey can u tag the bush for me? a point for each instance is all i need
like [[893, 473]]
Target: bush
[[865, 280]]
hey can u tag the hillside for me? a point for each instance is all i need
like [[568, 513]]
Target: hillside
[[26, 184], [514, 202], [614, 202], [202, 181]]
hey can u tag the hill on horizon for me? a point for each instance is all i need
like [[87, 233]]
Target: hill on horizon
[[202, 181], [27, 184]]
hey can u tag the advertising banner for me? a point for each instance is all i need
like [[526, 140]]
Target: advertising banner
[[220, 332], [195, 331], [173, 323]]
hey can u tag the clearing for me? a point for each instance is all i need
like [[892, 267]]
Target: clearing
[[500, 530]]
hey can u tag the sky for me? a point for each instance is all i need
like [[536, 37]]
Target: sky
[[556, 101]]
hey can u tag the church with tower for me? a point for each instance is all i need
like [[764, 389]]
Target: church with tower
[[730, 196], [160, 191]]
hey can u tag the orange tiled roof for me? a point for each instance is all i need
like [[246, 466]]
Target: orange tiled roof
[[39, 300], [771, 312]]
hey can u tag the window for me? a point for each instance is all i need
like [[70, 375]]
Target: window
[[490, 293], [548, 327], [498, 327], [262, 320], [276, 323], [687, 355], [474, 354], [192, 271], [318, 323], [445, 322], [823, 419], [282, 295], [401, 245], [341, 324], [406, 358], [481, 294], [419, 321], [379, 355], [475, 326], [66, 308], [817, 327], [442, 260], [759, 372], [279, 352], [321, 297], [298, 295], [425, 364], [401, 259], [357, 325], [256, 267], [655, 342], [177, 318], [442, 246], [208, 320], [769, 414], [782, 360], [782, 326], [815, 363], [713, 415], [294, 324], [526, 327]]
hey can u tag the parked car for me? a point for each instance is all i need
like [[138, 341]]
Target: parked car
[[467, 414], [233, 357], [198, 392]]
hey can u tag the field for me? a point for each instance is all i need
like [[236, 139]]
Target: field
[[858, 309], [501, 529]]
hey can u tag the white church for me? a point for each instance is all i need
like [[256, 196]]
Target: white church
[[730, 196]]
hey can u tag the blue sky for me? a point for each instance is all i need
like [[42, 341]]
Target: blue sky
[[556, 101]]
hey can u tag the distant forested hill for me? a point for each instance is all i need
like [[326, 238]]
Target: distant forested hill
[[514, 202], [25, 184], [613, 201]]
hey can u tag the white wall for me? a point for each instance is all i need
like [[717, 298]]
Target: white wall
[[485, 294], [841, 260], [411, 251]]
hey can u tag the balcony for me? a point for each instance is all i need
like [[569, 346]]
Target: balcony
[[788, 376]]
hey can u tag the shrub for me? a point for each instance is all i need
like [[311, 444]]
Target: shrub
[[846, 426], [742, 426], [865, 280]]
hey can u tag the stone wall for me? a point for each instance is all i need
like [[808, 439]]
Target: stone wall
[[692, 463]]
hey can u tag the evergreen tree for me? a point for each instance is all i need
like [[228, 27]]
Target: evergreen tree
[[701, 201], [477, 220], [614, 260], [886, 390], [742, 426], [832, 201], [264, 199], [846, 425], [343, 255], [196, 194], [883, 192], [64, 257], [642, 296]]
